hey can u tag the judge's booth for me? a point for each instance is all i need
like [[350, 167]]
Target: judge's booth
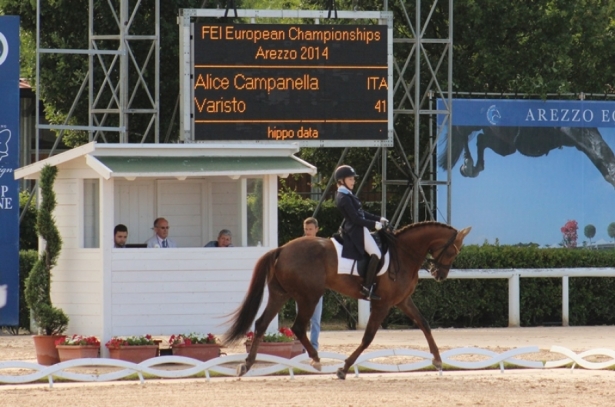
[[200, 189]]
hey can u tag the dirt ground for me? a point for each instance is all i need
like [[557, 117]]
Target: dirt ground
[[554, 388]]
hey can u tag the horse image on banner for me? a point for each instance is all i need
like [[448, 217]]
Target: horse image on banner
[[529, 141]]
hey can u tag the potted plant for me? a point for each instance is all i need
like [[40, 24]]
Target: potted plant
[[274, 343], [196, 346], [134, 349], [51, 321], [78, 347]]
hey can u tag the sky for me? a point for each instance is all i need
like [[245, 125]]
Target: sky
[[519, 199]]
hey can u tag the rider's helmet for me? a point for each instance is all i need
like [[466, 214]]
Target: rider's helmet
[[344, 171]]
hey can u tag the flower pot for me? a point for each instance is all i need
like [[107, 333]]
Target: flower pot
[[69, 352], [281, 349], [297, 348], [134, 354], [199, 351], [45, 346]]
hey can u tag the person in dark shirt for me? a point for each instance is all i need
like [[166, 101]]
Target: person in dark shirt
[[225, 239], [357, 223], [120, 235]]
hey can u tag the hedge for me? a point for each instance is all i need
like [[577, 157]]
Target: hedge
[[27, 258]]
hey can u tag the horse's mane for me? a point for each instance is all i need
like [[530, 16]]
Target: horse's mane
[[418, 225]]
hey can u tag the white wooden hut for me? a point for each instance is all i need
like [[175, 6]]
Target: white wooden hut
[[200, 189]]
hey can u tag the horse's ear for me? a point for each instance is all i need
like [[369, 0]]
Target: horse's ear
[[464, 232]]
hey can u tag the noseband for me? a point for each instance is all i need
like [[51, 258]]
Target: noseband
[[436, 263]]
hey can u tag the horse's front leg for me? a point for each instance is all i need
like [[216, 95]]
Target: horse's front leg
[[378, 313], [408, 308]]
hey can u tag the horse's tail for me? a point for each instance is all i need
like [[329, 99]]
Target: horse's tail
[[246, 313], [458, 141]]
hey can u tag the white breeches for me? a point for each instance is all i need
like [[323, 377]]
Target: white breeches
[[370, 244]]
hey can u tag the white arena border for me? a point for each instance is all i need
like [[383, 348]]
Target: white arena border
[[578, 359], [279, 364]]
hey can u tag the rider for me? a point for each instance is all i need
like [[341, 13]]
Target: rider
[[357, 238]]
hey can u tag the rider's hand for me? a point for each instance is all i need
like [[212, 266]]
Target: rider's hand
[[384, 220], [378, 226]]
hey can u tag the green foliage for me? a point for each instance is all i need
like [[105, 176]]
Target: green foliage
[[255, 211], [27, 258], [589, 231], [611, 230], [484, 302], [49, 319], [292, 211], [27, 227]]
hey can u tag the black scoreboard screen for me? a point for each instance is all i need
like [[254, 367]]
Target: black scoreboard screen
[[290, 82]]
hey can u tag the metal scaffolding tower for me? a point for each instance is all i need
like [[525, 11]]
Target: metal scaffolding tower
[[112, 63]]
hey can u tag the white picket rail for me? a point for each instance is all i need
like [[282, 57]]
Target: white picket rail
[[514, 291], [514, 276], [220, 365]]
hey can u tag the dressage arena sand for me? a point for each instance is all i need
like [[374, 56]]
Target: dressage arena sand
[[515, 387]]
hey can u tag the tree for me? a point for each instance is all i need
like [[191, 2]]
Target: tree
[[590, 232], [49, 319], [569, 230], [611, 230]]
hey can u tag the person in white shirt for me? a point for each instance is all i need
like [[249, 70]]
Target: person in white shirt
[[161, 233]]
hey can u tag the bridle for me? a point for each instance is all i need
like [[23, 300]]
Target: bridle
[[436, 262]]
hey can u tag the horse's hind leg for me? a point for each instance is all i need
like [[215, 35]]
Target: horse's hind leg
[[304, 313], [408, 308], [277, 298], [379, 312]]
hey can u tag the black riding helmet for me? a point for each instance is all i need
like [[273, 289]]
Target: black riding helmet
[[344, 171]]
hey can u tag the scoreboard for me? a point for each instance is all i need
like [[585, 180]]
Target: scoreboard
[[282, 82]]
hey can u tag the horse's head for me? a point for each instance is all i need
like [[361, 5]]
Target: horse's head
[[443, 254]]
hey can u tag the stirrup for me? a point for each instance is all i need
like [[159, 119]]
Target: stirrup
[[369, 293]]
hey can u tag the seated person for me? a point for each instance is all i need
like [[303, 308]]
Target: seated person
[[161, 233], [224, 239], [120, 235]]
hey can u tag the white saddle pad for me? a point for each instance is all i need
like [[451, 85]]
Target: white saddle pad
[[344, 265]]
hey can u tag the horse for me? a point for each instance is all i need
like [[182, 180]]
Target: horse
[[529, 141], [305, 267]]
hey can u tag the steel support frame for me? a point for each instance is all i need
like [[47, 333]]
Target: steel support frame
[[115, 87], [425, 85]]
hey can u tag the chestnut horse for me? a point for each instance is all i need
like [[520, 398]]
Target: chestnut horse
[[305, 267]]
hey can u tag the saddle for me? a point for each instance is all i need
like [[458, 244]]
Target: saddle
[[361, 265]]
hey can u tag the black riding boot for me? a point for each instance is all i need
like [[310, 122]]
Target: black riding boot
[[368, 288]]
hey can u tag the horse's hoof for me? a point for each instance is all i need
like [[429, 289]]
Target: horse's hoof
[[341, 374], [242, 369], [437, 364], [316, 365]]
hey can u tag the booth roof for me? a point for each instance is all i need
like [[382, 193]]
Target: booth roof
[[180, 161], [201, 166]]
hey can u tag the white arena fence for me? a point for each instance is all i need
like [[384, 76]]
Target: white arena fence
[[514, 276], [226, 365]]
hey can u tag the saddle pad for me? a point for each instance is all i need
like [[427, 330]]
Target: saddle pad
[[344, 265]]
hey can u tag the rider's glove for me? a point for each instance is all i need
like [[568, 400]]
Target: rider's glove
[[384, 220], [378, 226]]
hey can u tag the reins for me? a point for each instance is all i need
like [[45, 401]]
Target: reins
[[443, 248], [429, 263]]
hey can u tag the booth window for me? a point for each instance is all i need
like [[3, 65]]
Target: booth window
[[254, 195], [91, 210]]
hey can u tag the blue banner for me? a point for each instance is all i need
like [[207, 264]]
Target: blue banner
[[524, 170], [9, 161], [531, 113]]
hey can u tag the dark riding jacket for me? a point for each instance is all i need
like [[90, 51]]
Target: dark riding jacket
[[355, 219]]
